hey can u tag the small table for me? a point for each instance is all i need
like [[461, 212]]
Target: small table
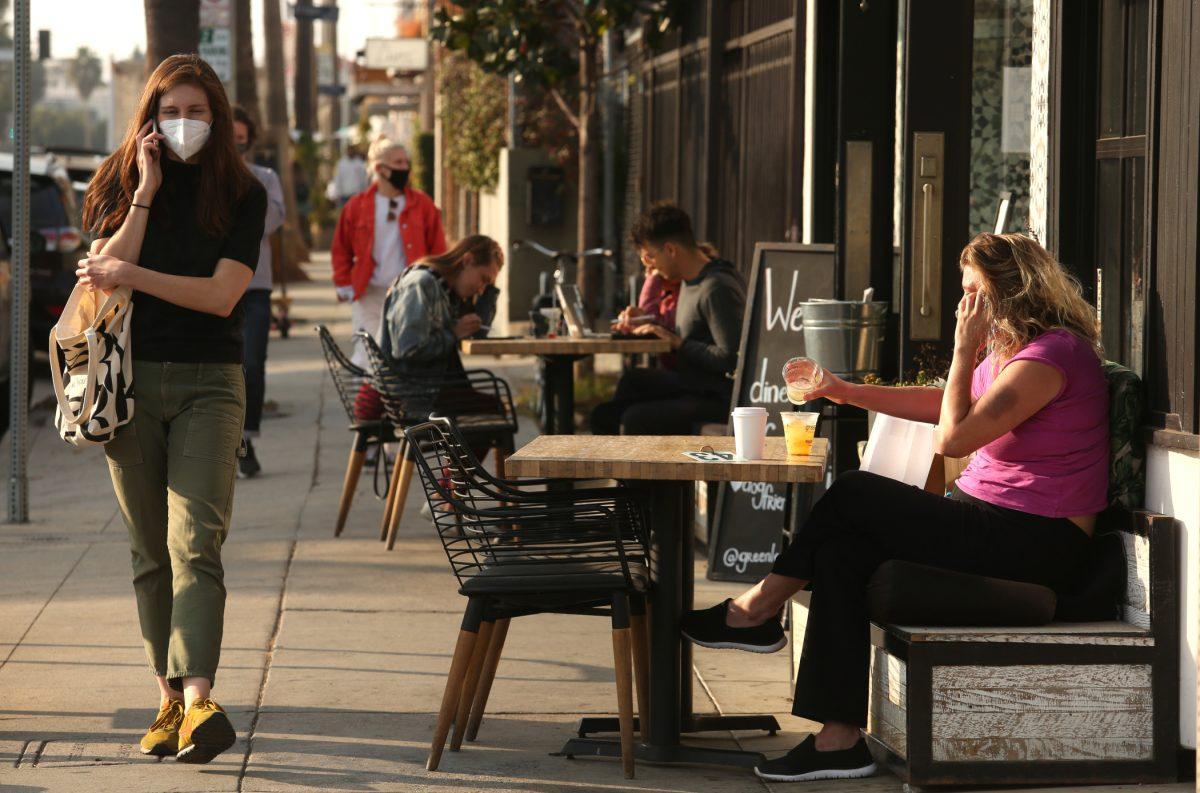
[[559, 356], [665, 475]]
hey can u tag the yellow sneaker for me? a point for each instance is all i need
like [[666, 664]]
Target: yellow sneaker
[[162, 738], [205, 733]]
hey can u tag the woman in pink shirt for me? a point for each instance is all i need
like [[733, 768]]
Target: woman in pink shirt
[[1027, 394]]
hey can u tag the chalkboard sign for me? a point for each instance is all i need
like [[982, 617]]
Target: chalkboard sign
[[749, 516]]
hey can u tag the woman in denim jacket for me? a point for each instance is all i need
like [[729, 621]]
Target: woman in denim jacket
[[422, 313]]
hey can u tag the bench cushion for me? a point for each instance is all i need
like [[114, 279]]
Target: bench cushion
[[905, 593]]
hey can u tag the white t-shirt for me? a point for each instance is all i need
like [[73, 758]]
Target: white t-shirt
[[389, 247]]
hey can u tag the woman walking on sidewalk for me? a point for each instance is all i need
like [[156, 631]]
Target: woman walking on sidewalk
[[178, 217], [1036, 410]]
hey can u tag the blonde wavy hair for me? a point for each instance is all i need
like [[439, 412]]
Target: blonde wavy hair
[[1029, 293], [380, 148]]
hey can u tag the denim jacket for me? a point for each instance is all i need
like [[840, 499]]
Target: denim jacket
[[419, 313], [418, 322]]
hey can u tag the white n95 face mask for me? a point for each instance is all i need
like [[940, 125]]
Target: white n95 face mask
[[185, 136]]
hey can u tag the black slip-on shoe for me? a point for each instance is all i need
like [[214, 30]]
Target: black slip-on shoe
[[707, 628], [806, 764]]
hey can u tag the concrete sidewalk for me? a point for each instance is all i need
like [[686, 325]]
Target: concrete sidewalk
[[335, 651]]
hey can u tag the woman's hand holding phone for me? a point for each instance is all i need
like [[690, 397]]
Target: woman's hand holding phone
[[149, 154], [974, 319]]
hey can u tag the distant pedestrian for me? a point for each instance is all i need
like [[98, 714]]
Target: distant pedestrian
[[350, 177], [257, 301], [181, 226], [380, 232]]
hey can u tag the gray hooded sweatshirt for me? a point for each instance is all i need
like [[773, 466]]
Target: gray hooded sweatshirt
[[709, 318]]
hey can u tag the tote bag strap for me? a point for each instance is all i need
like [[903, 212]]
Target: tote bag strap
[[64, 407]]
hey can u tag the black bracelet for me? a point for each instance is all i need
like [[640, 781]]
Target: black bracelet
[[141, 206]]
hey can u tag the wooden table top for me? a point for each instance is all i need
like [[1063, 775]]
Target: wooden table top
[[660, 458], [562, 345]]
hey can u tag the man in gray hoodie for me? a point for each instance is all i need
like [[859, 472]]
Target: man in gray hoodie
[[708, 329]]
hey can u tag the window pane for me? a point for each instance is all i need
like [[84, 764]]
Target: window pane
[[1137, 66], [1000, 111], [1133, 286], [1108, 255], [1112, 80]]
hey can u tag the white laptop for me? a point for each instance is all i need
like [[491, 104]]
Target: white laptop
[[573, 312]]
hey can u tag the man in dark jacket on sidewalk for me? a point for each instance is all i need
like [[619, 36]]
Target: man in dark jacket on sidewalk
[[708, 329]]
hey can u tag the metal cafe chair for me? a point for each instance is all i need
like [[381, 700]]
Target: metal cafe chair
[[348, 379], [515, 559], [478, 400]]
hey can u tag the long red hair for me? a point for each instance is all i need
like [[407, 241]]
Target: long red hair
[[224, 177]]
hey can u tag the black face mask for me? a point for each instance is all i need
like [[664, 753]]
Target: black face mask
[[243, 148], [398, 179]]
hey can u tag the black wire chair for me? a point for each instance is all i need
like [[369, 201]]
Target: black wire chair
[[518, 490], [540, 554], [478, 400], [348, 380]]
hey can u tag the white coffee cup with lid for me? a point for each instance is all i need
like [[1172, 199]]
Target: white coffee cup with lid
[[749, 432]]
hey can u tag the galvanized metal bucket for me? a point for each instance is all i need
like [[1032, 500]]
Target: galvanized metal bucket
[[845, 336]]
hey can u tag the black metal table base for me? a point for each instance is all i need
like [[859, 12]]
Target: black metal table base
[[590, 725], [692, 755]]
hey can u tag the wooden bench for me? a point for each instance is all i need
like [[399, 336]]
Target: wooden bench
[[1065, 703]]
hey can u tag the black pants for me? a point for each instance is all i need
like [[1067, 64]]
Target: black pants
[[257, 330], [864, 520], [655, 402]]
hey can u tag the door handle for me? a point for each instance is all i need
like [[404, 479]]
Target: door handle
[[926, 197], [926, 208]]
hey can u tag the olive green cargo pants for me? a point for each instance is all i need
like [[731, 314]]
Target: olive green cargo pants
[[173, 468]]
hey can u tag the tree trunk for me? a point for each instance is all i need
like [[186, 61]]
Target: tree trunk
[[277, 138], [172, 26], [247, 75], [304, 90]]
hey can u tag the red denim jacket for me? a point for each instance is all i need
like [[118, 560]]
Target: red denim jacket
[[354, 241]]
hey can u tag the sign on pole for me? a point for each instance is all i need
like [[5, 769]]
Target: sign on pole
[[403, 55], [218, 41]]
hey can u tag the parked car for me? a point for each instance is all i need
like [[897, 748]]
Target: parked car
[[56, 243]]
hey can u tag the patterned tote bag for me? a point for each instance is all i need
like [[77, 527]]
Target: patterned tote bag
[[91, 365]]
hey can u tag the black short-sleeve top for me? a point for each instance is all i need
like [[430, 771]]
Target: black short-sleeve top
[[174, 243]]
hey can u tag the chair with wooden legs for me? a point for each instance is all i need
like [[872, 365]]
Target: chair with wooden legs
[[479, 401], [517, 558], [348, 380], [516, 492]]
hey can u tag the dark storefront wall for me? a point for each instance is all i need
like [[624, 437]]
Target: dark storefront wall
[[728, 150], [1122, 174], [1123, 184]]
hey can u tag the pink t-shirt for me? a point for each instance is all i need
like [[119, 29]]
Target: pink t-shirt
[[1055, 463]]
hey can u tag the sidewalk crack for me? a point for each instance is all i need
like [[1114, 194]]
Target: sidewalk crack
[[45, 605], [273, 641], [713, 698]]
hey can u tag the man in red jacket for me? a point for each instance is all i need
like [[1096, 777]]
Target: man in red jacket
[[381, 231]]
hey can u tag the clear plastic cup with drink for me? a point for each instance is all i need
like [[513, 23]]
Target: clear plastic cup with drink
[[799, 429], [801, 375], [553, 318]]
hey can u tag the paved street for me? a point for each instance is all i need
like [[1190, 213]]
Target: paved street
[[335, 651]]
